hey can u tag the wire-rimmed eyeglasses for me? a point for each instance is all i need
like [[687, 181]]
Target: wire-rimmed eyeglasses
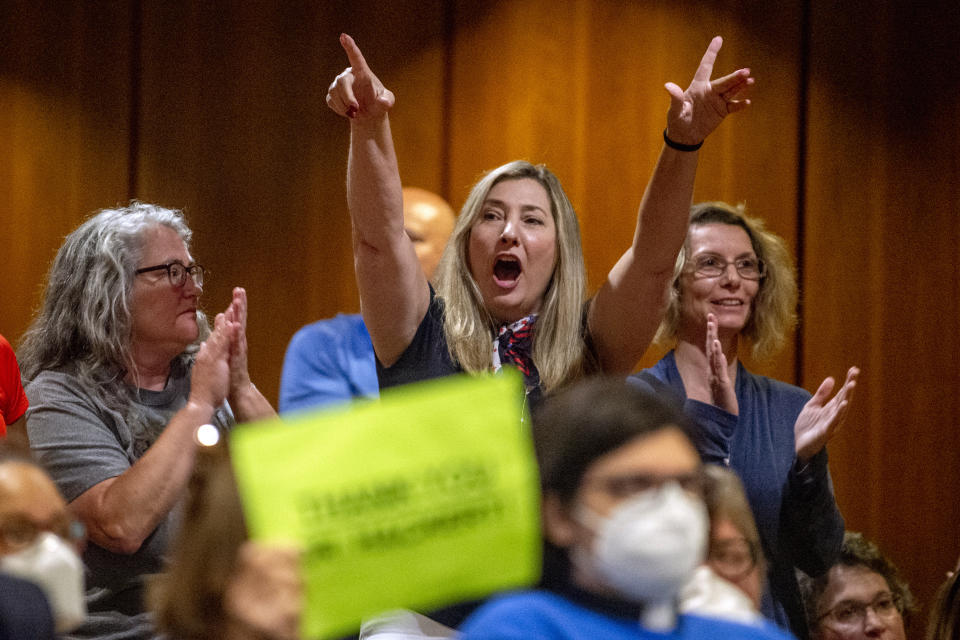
[[712, 266], [849, 613]]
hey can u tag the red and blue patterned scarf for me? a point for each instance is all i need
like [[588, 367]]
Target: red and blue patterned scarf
[[515, 346]]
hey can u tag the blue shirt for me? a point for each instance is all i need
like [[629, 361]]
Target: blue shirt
[[328, 362], [544, 615]]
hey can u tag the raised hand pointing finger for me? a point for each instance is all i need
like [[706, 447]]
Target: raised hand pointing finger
[[357, 93]]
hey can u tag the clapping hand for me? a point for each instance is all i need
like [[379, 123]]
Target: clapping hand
[[235, 317], [211, 377], [820, 418], [722, 392]]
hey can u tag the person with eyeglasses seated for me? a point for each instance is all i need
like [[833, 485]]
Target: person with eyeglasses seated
[[861, 596], [735, 286], [624, 522], [730, 583], [122, 368], [41, 575]]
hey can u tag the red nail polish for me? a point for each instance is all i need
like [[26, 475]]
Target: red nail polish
[[351, 112]]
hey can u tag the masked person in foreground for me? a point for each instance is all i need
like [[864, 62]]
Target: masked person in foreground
[[624, 520], [38, 544]]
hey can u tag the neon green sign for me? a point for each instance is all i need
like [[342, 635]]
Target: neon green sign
[[425, 498]]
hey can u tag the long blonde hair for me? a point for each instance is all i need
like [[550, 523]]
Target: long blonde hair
[[558, 343]]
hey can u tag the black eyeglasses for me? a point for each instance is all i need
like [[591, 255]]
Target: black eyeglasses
[[712, 266], [177, 272]]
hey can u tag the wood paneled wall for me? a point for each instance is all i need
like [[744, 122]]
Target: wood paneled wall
[[64, 134], [850, 152], [234, 129], [881, 279]]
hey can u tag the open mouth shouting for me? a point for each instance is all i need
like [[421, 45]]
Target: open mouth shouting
[[512, 248], [506, 271]]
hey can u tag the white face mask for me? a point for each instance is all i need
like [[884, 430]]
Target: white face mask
[[648, 548], [52, 564]]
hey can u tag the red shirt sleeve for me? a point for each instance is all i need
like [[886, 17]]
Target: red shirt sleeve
[[13, 401]]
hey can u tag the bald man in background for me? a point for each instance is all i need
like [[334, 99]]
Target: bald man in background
[[332, 361]]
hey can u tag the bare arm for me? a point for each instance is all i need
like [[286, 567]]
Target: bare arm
[[121, 512], [394, 294], [625, 313], [17, 434]]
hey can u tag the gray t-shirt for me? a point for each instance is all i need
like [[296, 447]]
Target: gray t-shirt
[[82, 443]]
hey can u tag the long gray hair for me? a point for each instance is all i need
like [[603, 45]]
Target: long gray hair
[[85, 319]]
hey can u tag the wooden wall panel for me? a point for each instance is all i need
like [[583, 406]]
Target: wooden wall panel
[[579, 86], [236, 131], [882, 281], [64, 123]]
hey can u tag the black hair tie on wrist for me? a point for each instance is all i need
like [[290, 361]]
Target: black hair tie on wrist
[[673, 144]]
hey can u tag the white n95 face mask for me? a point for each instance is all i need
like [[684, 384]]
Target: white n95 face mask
[[648, 548], [52, 564]]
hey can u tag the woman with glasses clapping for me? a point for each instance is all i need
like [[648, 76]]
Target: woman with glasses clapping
[[122, 369], [734, 284]]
